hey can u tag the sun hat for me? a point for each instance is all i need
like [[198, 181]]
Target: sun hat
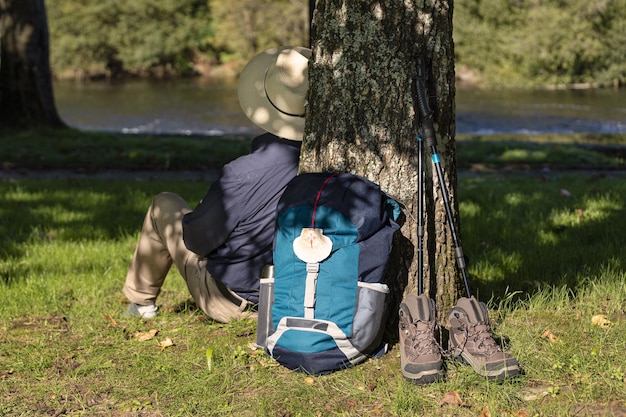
[[272, 90]]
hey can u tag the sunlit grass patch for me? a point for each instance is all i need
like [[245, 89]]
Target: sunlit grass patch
[[549, 151], [524, 232]]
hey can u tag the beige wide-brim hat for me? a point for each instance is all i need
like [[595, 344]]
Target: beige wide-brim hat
[[272, 90]]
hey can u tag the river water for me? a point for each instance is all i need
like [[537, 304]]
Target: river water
[[197, 107]]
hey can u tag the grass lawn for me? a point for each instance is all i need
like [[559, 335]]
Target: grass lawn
[[546, 248]]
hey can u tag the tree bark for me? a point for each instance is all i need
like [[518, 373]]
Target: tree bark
[[26, 95], [360, 119]]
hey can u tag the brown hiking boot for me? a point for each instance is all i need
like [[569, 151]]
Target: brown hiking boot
[[471, 339], [420, 355]]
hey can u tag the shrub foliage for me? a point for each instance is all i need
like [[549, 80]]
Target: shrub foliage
[[513, 43]]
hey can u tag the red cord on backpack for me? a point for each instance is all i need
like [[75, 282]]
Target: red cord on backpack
[[317, 198]]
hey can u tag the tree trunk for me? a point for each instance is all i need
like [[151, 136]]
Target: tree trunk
[[26, 97], [360, 119]]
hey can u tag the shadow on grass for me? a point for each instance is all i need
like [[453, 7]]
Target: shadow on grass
[[527, 232], [521, 233], [39, 211]]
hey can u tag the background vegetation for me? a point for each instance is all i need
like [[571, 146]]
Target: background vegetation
[[113, 38], [510, 43], [538, 42]]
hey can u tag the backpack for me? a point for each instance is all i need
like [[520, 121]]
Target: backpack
[[325, 307]]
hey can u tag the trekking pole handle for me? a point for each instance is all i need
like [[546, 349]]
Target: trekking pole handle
[[421, 100]]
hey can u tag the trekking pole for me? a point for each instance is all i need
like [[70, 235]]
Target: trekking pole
[[420, 194], [428, 131]]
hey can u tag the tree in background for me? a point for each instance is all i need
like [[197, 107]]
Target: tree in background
[[246, 27], [26, 96], [504, 43], [111, 38], [360, 116], [512, 43]]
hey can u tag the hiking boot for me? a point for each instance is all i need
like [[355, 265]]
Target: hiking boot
[[471, 339], [420, 355], [144, 311]]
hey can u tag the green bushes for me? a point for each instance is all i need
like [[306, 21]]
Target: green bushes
[[109, 38], [503, 43], [540, 42]]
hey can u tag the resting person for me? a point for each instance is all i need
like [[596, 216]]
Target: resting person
[[221, 246]]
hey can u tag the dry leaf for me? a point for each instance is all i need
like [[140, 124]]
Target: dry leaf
[[600, 320], [165, 343], [109, 319], [485, 413], [580, 213], [144, 336], [451, 398], [5, 374], [547, 334]]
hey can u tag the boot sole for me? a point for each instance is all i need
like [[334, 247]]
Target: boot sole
[[494, 374], [425, 377]]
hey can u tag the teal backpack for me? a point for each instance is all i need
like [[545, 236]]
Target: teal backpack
[[325, 307]]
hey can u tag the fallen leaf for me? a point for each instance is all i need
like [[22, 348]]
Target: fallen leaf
[[580, 213], [533, 393], [547, 334], [485, 413], [5, 374], [144, 336], [110, 319], [165, 343], [451, 398], [520, 413], [601, 320]]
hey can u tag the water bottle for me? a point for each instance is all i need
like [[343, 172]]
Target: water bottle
[[266, 299]]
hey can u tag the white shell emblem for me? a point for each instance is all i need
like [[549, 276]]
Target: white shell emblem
[[312, 246]]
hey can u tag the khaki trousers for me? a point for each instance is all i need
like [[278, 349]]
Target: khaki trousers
[[160, 245]]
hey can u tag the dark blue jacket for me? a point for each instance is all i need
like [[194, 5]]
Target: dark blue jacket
[[233, 227]]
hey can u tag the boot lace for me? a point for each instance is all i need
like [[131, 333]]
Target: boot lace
[[422, 340], [480, 334]]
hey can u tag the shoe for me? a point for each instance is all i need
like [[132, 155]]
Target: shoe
[[420, 355], [144, 311], [471, 341]]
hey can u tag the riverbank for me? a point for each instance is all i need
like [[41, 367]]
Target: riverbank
[[71, 152]]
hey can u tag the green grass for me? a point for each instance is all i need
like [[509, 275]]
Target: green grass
[[578, 152], [543, 261], [532, 231], [71, 149]]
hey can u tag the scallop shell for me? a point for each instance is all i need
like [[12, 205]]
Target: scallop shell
[[312, 246]]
